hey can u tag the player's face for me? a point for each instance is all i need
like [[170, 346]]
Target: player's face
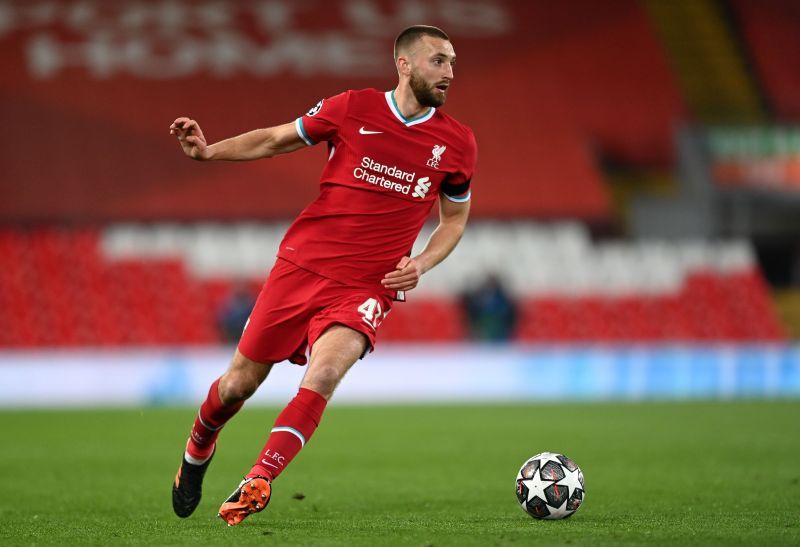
[[432, 71]]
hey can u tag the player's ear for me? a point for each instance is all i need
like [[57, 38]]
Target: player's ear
[[403, 65]]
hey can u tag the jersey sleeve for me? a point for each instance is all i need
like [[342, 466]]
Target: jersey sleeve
[[456, 187], [322, 122]]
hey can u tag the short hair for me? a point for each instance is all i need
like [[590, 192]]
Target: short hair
[[414, 33]]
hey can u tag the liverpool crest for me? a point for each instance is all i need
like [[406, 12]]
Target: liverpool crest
[[437, 152]]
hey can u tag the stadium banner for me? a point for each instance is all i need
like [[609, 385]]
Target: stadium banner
[[88, 90], [761, 157], [413, 374]]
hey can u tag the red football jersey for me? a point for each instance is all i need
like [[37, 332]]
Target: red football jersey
[[383, 175]]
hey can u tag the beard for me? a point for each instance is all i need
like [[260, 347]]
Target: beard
[[425, 93]]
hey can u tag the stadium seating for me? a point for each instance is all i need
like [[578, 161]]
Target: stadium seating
[[137, 285], [61, 292], [770, 31], [584, 80]]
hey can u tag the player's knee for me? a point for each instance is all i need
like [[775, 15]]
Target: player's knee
[[324, 380], [236, 387]]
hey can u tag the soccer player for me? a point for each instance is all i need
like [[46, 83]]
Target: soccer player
[[345, 259]]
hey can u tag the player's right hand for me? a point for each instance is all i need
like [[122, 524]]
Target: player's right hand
[[190, 137], [405, 277]]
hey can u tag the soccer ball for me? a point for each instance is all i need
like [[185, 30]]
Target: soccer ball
[[550, 486]]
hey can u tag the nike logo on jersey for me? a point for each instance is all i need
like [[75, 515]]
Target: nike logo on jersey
[[367, 132]]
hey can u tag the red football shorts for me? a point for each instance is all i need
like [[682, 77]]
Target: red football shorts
[[296, 306]]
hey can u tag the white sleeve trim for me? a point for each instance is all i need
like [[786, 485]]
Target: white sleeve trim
[[298, 125], [460, 199]]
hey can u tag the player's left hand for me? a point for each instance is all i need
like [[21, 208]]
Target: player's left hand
[[405, 277]]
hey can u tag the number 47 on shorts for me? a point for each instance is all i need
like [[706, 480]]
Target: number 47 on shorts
[[372, 313]]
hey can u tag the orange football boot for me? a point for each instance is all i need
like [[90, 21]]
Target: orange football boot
[[251, 496]]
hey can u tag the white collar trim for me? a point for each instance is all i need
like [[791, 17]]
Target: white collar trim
[[396, 111]]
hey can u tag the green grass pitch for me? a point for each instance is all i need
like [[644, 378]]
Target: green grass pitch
[[656, 474]]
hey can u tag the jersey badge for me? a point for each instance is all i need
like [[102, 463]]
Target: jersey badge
[[423, 185], [437, 152], [315, 109]]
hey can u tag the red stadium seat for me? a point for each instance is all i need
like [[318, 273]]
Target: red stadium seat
[[429, 320], [62, 293], [770, 30]]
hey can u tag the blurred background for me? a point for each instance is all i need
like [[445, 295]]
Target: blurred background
[[636, 212]]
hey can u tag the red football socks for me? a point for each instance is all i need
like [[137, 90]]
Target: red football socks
[[212, 416], [291, 432]]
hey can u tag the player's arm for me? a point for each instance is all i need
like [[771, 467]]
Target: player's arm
[[452, 220], [256, 144]]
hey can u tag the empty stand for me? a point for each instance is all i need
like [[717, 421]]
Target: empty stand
[[546, 86], [141, 285], [770, 28]]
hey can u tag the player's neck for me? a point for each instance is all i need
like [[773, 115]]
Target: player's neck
[[407, 103]]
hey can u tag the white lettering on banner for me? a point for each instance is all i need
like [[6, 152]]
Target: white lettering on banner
[[168, 39], [476, 17], [223, 54]]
